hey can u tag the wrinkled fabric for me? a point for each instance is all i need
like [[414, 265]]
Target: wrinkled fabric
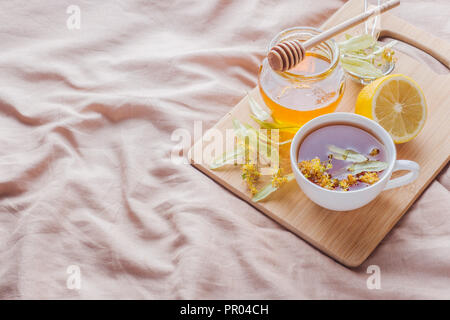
[[86, 177]]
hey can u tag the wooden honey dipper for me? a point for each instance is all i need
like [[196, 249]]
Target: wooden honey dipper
[[287, 54]]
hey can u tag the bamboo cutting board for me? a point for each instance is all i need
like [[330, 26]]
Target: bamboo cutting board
[[350, 237]]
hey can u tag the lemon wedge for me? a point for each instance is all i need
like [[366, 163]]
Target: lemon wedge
[[397, 103]]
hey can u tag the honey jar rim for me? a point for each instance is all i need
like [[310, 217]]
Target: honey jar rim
[[330, 44]]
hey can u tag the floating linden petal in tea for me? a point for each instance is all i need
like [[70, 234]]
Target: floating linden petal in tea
[[346, 154], [368, 166]]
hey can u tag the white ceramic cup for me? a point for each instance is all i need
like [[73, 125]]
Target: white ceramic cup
[[349, 200]]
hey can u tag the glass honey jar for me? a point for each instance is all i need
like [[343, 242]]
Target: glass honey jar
[[312, 88]]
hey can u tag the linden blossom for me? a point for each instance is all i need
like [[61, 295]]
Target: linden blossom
[[193, 310]]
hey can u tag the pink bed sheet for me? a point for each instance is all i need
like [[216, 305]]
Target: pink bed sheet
[[86, 179]]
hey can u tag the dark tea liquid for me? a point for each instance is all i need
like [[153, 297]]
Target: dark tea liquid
[[345, 137]]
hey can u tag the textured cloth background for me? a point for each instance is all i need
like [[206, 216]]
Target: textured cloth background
[[86, 118]]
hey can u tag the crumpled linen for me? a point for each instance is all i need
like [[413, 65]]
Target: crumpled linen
[[86, 177]]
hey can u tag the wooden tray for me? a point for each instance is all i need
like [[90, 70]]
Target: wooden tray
[[350, 237]]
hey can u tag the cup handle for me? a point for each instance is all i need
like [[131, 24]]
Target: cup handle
[[411, 166]]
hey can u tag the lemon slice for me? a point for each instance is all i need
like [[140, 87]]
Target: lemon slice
[[397, 103]]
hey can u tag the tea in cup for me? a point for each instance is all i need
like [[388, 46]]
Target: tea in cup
[[342, 161]]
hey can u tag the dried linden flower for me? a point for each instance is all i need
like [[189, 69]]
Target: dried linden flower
[[374, 152], [347, 183], [250, 174], [369, 177], [344, 185], [326, 182], [278, 179], [351, 179], [314, 170]]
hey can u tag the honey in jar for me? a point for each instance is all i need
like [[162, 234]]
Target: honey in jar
[[312, 88]]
